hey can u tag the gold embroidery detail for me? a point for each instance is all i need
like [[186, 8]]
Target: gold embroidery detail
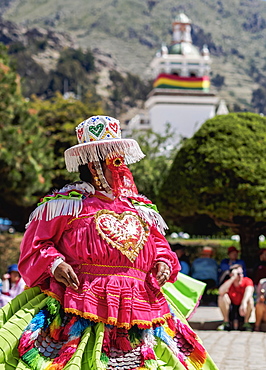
[[79, 218], [126, 231], [129, 267], [117, 296], [130, 277], [51, 294]]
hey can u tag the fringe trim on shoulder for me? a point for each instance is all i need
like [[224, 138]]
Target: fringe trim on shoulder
[[55, 208], [62, 207], [152, 217]]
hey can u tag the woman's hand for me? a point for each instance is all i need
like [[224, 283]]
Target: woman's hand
[[65, 274], [163, 273]]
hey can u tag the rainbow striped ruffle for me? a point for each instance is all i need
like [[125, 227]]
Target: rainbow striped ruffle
[[52, 339], [165, 80]]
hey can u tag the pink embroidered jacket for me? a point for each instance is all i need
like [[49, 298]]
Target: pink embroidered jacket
[[113, 252]]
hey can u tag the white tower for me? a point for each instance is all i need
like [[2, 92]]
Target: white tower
[[181, 92]]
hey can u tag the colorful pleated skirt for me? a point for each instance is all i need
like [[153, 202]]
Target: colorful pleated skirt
[[36, 333]]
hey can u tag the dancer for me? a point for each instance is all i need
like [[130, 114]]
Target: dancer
[[95, 258]]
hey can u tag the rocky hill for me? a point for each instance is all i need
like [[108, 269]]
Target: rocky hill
[[130, 32]]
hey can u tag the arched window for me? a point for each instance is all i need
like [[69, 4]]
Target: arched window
[[176, 72]]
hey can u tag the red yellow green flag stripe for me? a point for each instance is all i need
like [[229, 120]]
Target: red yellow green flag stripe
[[165, 80]]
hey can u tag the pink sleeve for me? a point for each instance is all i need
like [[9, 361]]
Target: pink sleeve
[[164, 254], [38, 249]]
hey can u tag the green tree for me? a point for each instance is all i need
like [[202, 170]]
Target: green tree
[[72, 72], [221, 172], [23, 163], [151, 171]]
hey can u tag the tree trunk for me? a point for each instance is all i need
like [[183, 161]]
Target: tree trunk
[[249, 242]]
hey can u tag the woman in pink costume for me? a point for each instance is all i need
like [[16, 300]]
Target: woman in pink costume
[[94, 258]]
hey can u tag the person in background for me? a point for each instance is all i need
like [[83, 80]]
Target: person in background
[[260, 308], [236, 300], [226, 263], [180, 251], [259, 280], [12, 285], [205, 269], [259, 271]]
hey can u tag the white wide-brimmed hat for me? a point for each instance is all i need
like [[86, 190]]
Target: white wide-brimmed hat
[[99, 137]]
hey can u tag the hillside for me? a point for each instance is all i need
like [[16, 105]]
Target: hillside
[[132, 31]]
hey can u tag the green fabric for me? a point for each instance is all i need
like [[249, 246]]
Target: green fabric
[[167, 360], [147, 205], [71, 195], [184, 293], [175, 303], [16, 315]]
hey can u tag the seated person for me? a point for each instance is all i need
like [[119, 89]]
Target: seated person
[[12, 285], [260, 267], [183, 259], [205, 269], [260, 308], [226, 263], [236, 300]]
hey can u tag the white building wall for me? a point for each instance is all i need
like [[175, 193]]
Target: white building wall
[[185, 119]]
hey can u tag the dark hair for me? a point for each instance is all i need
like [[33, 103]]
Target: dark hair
[[235, 266], [85, 173], [177, 246]]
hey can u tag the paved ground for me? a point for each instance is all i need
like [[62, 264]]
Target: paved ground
[[232, 350], [236, 350]]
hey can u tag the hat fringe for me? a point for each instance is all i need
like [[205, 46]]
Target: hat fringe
[[99, 150]]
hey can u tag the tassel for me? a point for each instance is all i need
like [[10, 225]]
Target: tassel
[[29, 356], [113, 333], [53, 306], [55, 327], [68, 327], [106, 340], [134, 339], [56, 333], [171, 323], [122, 342], [38, 321], [181, 358], [54, 367], [78, 327], [198, 355], [38, 362], [147, 353], [104, 359], [25, 343], [63, 359], [71, 344]]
